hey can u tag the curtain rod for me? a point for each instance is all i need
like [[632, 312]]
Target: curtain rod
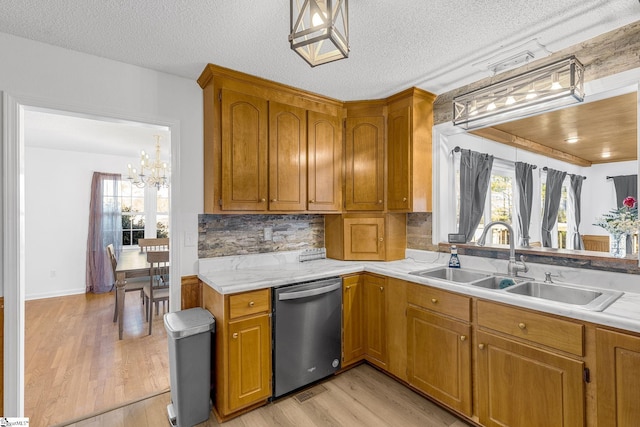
[[572, 174], [457, 150]]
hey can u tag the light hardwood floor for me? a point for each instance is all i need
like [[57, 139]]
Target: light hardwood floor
[[76, 366], [361, 396]]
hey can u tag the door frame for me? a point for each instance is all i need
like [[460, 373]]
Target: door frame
[[12, 259]]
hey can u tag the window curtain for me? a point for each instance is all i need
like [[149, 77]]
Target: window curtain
[[551, 204], [524, 185], [575, 197], [475, 174], [626, 185], [105, 227]]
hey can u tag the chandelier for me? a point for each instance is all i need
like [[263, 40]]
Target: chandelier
[[152, 172], [542, 89], [320, 30]]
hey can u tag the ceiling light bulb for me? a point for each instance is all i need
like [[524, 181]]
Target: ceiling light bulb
[[316, 20], [491, 106], [531, 93], [510, 100], [555, 85], [473, 110]]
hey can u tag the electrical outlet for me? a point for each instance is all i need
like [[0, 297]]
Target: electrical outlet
[[268, 234]]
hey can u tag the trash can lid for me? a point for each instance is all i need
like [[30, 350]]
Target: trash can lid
[[188, 322]]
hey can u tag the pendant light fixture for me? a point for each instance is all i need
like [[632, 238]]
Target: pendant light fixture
[[542, 89], [320, 30]]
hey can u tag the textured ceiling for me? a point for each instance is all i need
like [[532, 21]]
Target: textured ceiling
[[394, 43]]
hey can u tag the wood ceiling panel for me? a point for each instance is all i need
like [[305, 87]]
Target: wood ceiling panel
[[609, 125]]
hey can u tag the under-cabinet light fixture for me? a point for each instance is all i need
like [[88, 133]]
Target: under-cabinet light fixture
[[542, 89], [320, 30]]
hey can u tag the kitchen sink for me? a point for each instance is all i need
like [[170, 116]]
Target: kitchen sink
[[452, 274], [590, 299], [492, 282]]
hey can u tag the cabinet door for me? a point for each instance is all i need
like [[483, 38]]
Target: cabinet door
[[364, 239], [375, 319], [244, 151], [324, 147], [618, 371], [365, 163], [249, 370], [521, 386], [439, 358], [287, 158], [399, 161], [352, 320]]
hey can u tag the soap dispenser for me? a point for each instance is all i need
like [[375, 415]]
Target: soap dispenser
[[454, 261]]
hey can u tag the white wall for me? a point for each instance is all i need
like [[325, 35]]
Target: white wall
[[66, 79], [57, 194]]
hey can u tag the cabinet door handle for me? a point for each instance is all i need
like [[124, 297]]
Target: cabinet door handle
[[404, 199], [381, 288], [251, 303], [379, 202], [463, 337], [312, 201], [235, 335], [380, 239], [348, 287], [522, 326], [434, 300], [274, 200], [481, 346], [263, 200]]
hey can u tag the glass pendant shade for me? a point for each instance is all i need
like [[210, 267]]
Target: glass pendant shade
[[320, 30], [542, 89]]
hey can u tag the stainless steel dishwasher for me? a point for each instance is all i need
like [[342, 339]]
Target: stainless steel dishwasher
[[307, 321]]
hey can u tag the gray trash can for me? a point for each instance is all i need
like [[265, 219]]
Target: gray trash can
[[189, 333]]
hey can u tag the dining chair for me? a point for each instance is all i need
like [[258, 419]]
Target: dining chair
[[157, 289], [154, 244], [128, 287]]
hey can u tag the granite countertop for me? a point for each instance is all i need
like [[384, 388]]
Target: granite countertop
[[229, 275]]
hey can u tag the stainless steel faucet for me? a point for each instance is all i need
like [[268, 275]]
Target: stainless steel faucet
[[514, 266]]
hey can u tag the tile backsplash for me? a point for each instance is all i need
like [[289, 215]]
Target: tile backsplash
[[419, 232], [225, 235]]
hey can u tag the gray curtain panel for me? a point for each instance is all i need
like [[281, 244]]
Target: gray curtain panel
[[576, 190], [524, 185], [105, 227], [626, 185], [475, 174], [551, 204]]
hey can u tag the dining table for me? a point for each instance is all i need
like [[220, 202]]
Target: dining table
[[131, 264]]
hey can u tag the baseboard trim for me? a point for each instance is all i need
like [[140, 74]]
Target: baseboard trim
[[113, 408]]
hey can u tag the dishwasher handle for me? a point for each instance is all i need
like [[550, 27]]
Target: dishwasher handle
[[309, 292]]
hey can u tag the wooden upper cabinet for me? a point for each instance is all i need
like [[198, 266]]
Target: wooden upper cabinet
[[365, 163], [269, 147], [324, 160], [287, 158], [244, 129], [409, 151]]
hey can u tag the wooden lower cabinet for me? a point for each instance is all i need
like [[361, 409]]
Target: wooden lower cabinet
[[352, 320], [618, 382], [522, 386], [375, 319], [242, 349], [439, 357]]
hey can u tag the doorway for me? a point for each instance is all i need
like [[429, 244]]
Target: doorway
[[16, 218]]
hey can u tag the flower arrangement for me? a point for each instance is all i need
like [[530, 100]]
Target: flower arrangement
[[623, 220]]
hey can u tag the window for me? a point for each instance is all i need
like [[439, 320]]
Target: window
[[132, 208], [562, 225], [145, 212], [499, 204]]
